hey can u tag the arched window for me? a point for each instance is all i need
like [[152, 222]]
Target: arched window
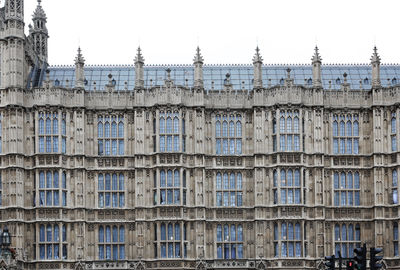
[[282, 125], [162, 125], [114, 129], [48, 126], [296, 125], [231, 129], [342, 128], [107, 130], [41, 126], [218, 129], [238, 129], [169, 125], [393, 125], [176, 125], [176, 179], [349, 128], [230, 246], [225, 129], [289, 125], [111, 191], [335, 128]]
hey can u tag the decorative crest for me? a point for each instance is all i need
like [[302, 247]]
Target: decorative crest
[[375, 56], [257, 57], [139, 57], [316, 57], [198, 58]]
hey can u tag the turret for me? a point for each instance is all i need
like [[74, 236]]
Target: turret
[[39, 33], [316, 67], [257, 63], [376, 69], [198, 69], [79, 70], [139, 72], [13, 45]]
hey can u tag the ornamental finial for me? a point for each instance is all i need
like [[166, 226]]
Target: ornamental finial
[[257, 57], [139, 57], [198, 58], [79, 57], [316, 57], [375, 56]]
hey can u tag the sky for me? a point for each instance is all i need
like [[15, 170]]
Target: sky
[[227, 31]]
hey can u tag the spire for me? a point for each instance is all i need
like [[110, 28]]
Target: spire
[[198, 58], [198, 69], [316, 57], [257, 57], [139, 72], [316, 68], [257, 63], [79, 70], [139, 57], [376, 69], [39, 32]]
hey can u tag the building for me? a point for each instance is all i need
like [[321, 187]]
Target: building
[[197, 166]]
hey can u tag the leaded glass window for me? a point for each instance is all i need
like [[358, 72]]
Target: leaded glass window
[[289, 131], [111, 190], [172, 187], [288, 239], [50, 133], [288, 189], [111, 242], [169, 131], [52, 188], [172, 242], [345, 131], [393, 132], [347, 238], [110, 135], [229, 241], [228, 134], [229, 186], [52, 239], [346, 188]]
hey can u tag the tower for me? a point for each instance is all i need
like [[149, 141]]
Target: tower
[[198, 69], [376, 69], [316, 67], [139, 72], [39, 33], [257, 62], [13, 45]]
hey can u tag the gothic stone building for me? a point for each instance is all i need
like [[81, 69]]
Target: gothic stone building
[[197, 166]]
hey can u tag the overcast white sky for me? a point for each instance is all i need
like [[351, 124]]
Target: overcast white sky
[[227, 31]]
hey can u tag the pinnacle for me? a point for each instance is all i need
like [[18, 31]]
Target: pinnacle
[[198, 58], [79, 58], [257, 57], [316, 57], [39, 12], [375, 56], [139, 57]]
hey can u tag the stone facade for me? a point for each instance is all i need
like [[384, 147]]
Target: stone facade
[[281, 212]]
